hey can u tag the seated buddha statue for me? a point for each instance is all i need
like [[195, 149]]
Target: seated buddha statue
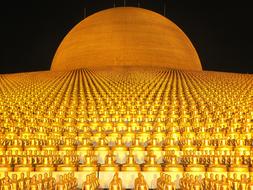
[[138, 151], [151, 164], [84, 147], [67, 165], [24, 166], [51, 144], [241, 147], [101, 150], [140, 183], [116, 183], [128, 136], [216, 166], [143, 135], [236, 164], [155, 148], [5, 166], [16, 144], [194, 166], [172, 165], [112, 136], [88, 165], [130, 165], [109, 164], [120, 151], [47, 164]]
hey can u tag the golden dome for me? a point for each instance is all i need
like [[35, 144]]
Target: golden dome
[[126, 37]]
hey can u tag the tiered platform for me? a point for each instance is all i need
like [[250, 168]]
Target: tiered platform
[[130, 120]]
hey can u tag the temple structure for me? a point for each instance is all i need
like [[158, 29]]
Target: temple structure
[[126, 105]]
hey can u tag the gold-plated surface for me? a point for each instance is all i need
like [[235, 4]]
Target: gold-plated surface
[[126, 36], [128, 120]]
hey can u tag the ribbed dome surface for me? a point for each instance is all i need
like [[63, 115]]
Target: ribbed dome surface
[[126, 37]]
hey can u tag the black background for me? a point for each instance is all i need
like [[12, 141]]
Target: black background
[[31, 31]]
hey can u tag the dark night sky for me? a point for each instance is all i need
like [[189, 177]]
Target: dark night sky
[[31, 31]]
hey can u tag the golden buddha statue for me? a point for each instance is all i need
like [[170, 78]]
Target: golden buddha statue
[[197, 183], [14, 182], [250, 183], [160, 181], [45, 181], [84, 131], [40, 184], [205, 181], [172, 165], [116, 183], [15, 158], [120, 151], [27, 181], [235, 182], [190, 182], [21, 182], [140, 183], [15, 145], [224, 184], [195, 166], [243, 182], [237, 165], [47, 164], [232, 134], [60, 185], [121, 125], [138, 151], [99, 134], [215, 165], [5, 166], [73, 180], [188, 146], [88, 164], [151, 164], [158, 134], [95, 180], [6, 183], [67, 164], [26, 134], [223, 146], [50, 145], [188, 133], [101, 150], [32, 145], [183, 181], [24, 166], [170, 145], [51, 182], [107, 125], [173, 132], [143, 135], [67, 146], [130, 165], [113, 136], [241, 147], [84, 148], [206, 145], [155, 148], [88, 185], [109, 165], [168, 184], [128, 136]]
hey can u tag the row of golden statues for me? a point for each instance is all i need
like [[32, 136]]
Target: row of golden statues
[[149, 120], [70, 97], [91, 182], [135, 157]]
